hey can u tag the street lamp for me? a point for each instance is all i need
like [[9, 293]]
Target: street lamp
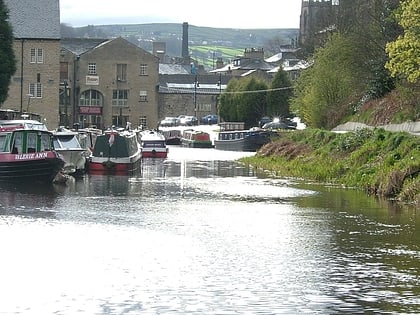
[[66, 120], [196, 84], [219, 83], [29, 102]]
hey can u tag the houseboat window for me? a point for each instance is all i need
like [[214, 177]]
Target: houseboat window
[[31, 142], [153, 144], [45, 142], [17, 143], [3, 143]]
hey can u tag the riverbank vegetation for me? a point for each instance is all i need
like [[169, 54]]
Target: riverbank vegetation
[[379, 162]]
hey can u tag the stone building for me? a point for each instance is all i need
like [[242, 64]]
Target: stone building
[[251, 61], [317, 17], [190, 94], [108, 82], [36, 30]]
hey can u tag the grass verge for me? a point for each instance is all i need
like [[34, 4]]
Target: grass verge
[[379, 162]]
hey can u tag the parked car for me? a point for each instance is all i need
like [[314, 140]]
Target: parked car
[[209, 119], [188, 121], [168, 122], [284, 123], [264, 120]]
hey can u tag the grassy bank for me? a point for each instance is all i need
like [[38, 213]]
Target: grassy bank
[[379, 162]]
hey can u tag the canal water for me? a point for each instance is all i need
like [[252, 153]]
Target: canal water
[[199, 233]]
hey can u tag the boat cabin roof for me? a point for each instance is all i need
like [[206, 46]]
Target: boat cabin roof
[[10, 125]]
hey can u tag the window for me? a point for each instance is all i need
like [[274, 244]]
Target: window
[[120, 98], [143, 69], [31, 142], [143, 122], [121, 72], [17, 143], [92, 68], [64, 71], [143, 96], [36, 55], [2, 143], [45, 142], [91, 98], [35, 90]]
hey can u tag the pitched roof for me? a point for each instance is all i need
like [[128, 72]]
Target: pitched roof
[[184, 83], [79, 46], [165, 68], [31, 19]]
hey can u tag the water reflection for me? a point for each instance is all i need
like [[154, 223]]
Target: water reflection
[[29, 199], [197, 235]]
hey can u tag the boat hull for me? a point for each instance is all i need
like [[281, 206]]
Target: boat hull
[[196, 144], [115, 153], [101, 166], [27, 167], [153, 144], [154, 153], [241, 141]]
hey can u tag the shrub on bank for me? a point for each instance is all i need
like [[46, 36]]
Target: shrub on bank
[[377, 161]]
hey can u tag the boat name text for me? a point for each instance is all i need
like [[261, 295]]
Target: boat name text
[[31, 156]]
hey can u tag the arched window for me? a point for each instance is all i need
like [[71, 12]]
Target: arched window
[[91, 98]]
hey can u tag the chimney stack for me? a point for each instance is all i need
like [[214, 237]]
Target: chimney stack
[[185, 52]]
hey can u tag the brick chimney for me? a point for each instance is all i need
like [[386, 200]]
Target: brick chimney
[[185, 51]]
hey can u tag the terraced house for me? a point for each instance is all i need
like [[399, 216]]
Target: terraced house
[[34, 86]]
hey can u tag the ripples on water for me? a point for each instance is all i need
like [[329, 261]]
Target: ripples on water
[[200, 234]]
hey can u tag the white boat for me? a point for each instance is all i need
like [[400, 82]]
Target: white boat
[[66, 143], [153, 144]]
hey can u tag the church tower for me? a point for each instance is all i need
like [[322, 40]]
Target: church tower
[[316, 17]]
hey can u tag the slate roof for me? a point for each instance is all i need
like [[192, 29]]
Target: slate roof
[[34, 19], [165, 68], [184, 83], [79, 46]]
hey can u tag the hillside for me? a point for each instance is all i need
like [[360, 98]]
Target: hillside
[[224, 43]]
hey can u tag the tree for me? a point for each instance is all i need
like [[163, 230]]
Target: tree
[[279, 97], [404, 57], [369, 22], [244, 100], [7, 57], [325, 92]]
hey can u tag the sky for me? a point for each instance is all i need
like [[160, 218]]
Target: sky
[[214, 13]]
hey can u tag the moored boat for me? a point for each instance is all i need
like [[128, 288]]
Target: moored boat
[[116, 152], [242, 140], [66, 142], [172, 136], [196, 139], [27, 152], [153, 144]]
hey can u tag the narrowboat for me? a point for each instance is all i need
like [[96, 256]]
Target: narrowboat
[[172, 136], [242, 140], [116, 152], [27, 152], [196, 139]]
